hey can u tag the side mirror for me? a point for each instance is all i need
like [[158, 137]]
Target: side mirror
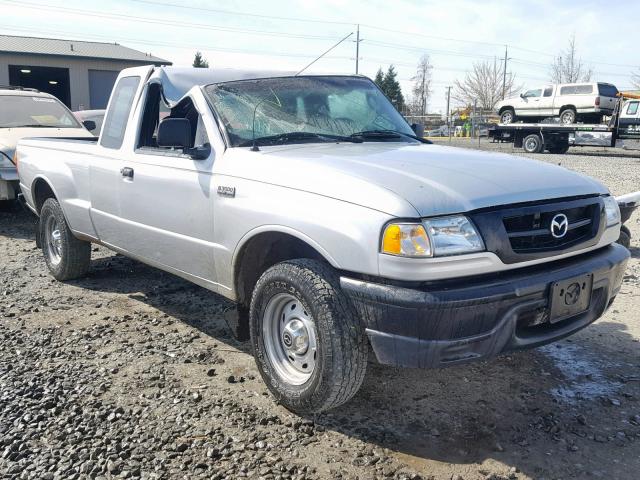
[[418, 129], [522, 96], [174, 132], [89, 125]]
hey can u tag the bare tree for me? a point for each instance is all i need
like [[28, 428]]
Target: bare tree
[[635, 80], [421, 86], [568, 67], [484, 85]]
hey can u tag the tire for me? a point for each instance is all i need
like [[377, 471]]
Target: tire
[[532, 143], [559, 149], [308, 292], [625, 237], [66, 256], [568, 116], [508, 116]]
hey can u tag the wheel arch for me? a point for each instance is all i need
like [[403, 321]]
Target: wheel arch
[[567, 107], [41, 190], [506, 107], [265, 246]]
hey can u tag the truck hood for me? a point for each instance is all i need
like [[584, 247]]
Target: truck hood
[[9, 137], [434, 180]]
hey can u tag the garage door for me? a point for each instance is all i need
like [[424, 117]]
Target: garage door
[[100, 85]]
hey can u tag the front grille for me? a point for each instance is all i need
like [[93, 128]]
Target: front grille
[[532, 232]]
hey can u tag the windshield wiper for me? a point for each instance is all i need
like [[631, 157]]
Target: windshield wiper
[[285, 137], [384, 134]]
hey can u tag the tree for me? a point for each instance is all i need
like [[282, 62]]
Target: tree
[[379, 80], [568, 67], [421, 86], [635, 80], [484, 85], [199, 61], [391, 88]]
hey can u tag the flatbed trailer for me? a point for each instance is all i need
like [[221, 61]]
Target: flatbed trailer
[[554, 137]]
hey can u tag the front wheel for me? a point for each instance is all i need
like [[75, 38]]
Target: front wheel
[[532, 143], [66, 256], [508, 116], [309, 345]]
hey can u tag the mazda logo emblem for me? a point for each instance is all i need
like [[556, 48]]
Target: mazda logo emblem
[[287, 340], [572, 294], [559, 225]]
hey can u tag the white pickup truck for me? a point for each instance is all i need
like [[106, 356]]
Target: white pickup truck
[[309, 202]]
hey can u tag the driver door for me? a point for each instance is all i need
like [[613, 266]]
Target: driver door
[[530, 106], [166, 198]]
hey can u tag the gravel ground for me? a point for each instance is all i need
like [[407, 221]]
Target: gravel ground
[[131, 373]]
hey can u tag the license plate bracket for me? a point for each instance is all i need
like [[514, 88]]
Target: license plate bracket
[[570, 297]]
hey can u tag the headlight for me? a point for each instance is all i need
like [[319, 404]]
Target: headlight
[[453, 235], [406, 240], [612, 210], [435, 237]]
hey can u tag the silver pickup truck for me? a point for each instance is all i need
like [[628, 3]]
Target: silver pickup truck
[[309, 202]]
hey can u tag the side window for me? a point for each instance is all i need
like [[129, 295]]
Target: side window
[[155, 111], [584, 89], [548, 91], [533, 93], [632, 109], [570, 90], [115, 123]]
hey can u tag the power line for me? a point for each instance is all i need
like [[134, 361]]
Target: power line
[[242, 14], [158, 21]]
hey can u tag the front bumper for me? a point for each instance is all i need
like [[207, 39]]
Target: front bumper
[[444, 323]]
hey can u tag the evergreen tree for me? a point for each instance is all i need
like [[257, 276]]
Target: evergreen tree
[[199, 61], [391, 88], [379, 80]]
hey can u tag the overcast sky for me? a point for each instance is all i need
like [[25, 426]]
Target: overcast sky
[[455, 33]]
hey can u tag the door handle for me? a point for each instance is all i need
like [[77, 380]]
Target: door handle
[[127, 172]]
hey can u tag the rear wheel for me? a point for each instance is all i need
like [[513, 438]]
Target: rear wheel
[[507, 116], [66, 256], [568, 116], [532, 143], [559, 149], [308, 343]]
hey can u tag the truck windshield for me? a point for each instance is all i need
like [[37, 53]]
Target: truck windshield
[[306, 109], [18, 111]]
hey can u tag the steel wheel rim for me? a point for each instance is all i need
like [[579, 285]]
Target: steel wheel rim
[[289, 336], [507, 117], [53, 240]]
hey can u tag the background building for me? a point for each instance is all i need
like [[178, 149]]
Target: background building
[[81, 74]]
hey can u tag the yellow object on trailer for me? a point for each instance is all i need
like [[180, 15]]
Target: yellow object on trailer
[[634, 96]]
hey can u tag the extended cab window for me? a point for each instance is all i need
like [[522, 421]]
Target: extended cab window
[[632, 109], [155, 110], [532, 93], [548, 91], [115, 123]]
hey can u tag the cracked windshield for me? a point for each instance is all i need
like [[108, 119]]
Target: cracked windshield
[[303, 109]]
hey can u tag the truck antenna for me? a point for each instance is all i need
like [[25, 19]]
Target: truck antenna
[[323, 54]]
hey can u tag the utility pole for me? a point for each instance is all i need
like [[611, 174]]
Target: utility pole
[[504, 74], [357, 47], [448, 119]]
